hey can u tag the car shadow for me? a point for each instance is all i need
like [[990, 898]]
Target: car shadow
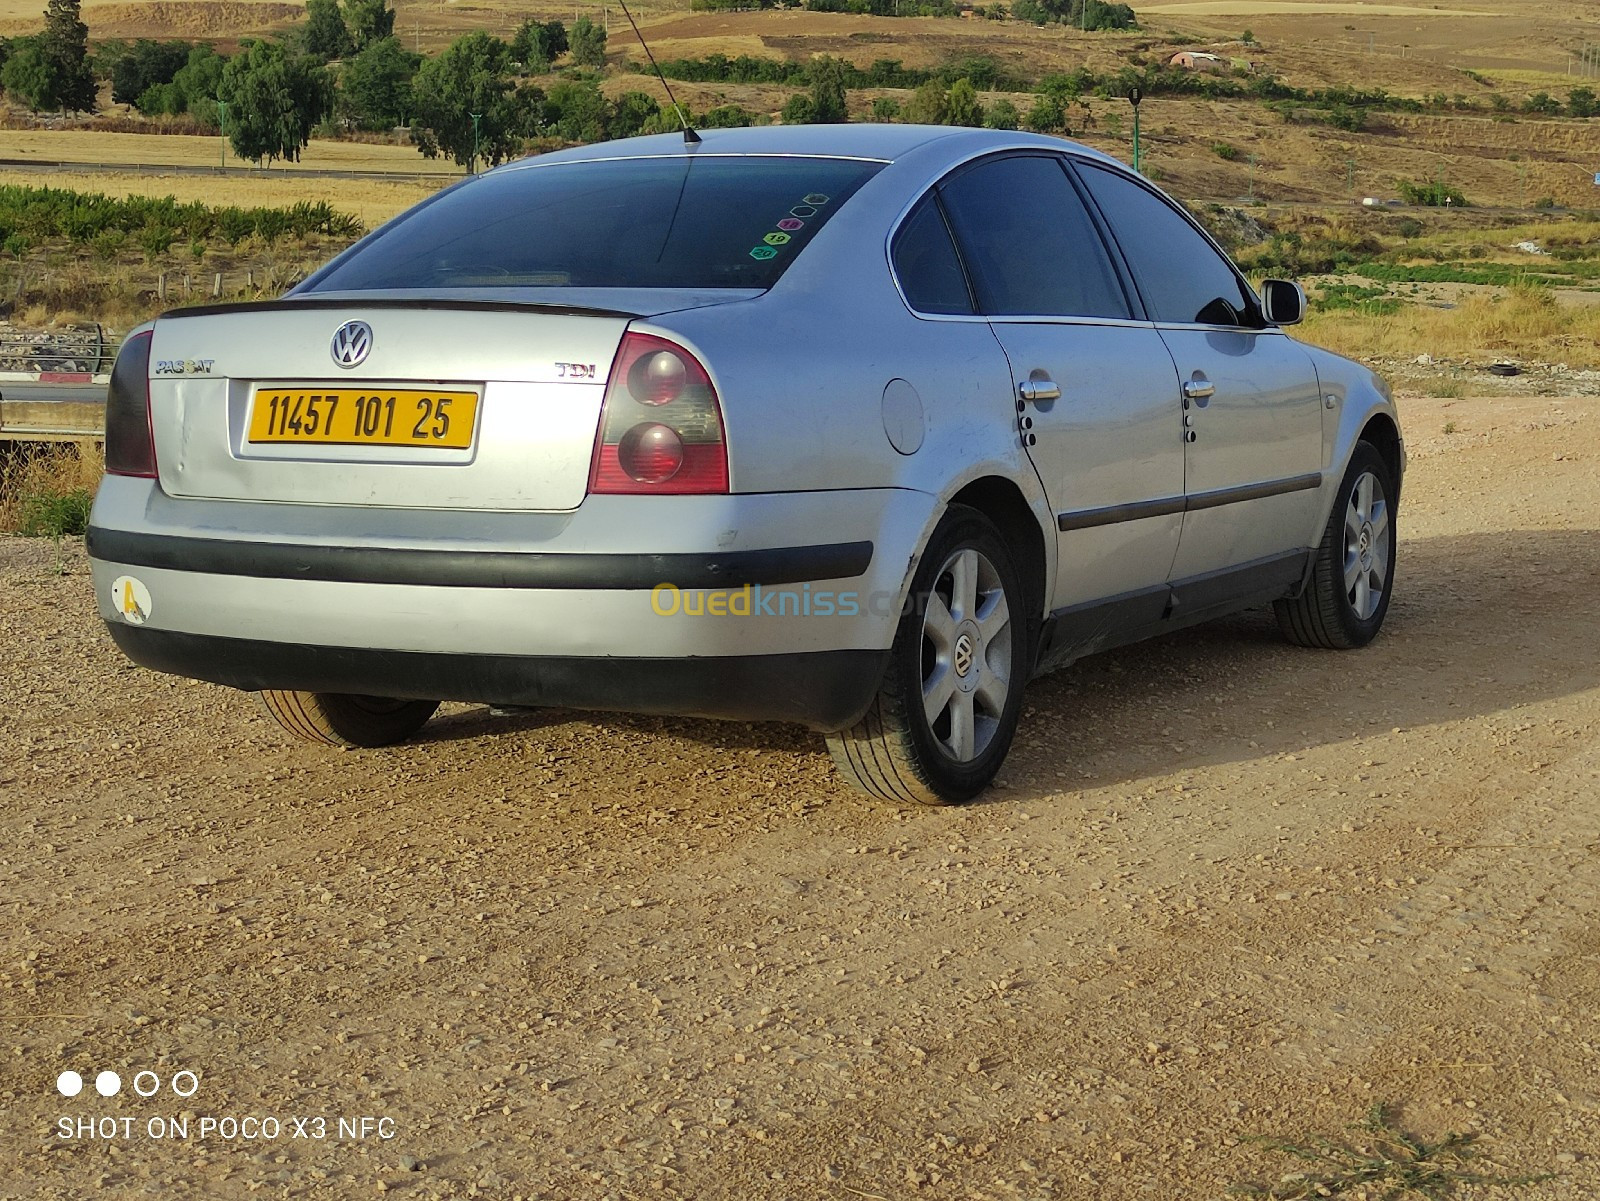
[[1480, 623]]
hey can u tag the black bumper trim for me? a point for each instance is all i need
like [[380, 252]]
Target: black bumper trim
[[826, 690], [479, 568]]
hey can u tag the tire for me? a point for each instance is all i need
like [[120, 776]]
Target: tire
[[343, 719], [1352, 579], [968, 607]]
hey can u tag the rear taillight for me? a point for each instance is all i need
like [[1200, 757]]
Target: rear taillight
[[130, 446], [660, 423]]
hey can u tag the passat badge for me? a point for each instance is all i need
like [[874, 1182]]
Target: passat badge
[[352, 342]]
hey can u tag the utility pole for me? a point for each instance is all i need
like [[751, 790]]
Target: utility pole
[[1134, 96], [1252, 195], [476, 117], [1350, 175], [222, 128]]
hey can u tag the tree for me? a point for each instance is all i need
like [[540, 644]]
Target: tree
[[29, 75], [629, 113], [927, 105], [578, 112], [538, 45], [273, 101], [962, 106], [145, 63], [51, 70], [1047, 115], [375, 85], [200, 83], [326, 35], [827, 75], [66, 43], [368, 21], [470, 76], [798, 110], [1003, 115], [588, 43]]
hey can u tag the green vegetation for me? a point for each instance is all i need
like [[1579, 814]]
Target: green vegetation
[[51, 70], [1380, 1160], [1375, 302], [54, 514], [46, 488], [985, 74], [36, 214], [274, 100], [1079, 14], [588, 43], [1435, 193]]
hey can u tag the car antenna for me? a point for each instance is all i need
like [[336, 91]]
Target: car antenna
[[690, 138]]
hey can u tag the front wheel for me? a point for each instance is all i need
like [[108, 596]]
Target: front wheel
[[946, 712], [344, 719], [1344, 603]]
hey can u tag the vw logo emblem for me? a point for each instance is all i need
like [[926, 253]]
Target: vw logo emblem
[[352, 342], [964, 654]]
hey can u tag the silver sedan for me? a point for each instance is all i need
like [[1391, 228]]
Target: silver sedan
[[854, 426]]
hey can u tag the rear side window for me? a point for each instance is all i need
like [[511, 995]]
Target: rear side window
[[1180, 274], [925, 262], [1029, 242], [671, 222]]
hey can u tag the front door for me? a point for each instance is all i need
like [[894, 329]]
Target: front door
[[1252, 405]]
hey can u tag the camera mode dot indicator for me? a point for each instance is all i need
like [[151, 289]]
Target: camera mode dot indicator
[[69, 1084], [108, 1084]]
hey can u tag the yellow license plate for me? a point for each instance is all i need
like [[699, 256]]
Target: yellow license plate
[[363, 417]]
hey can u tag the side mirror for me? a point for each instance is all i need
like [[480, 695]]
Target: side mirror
[[1283, 302]]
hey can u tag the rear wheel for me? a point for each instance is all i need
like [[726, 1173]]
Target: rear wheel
[[345, 719], [946, 712], [1344, 603]]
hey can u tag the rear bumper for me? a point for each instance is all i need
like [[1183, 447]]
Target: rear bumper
[[746, 606], [826, 690]]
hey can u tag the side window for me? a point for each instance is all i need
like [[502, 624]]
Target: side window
[[1181, 276], [1029, 242], [925, 262]]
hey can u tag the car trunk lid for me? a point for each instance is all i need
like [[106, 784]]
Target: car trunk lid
[[421, 403]]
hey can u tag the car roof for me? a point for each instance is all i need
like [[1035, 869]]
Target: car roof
[[878, 142]]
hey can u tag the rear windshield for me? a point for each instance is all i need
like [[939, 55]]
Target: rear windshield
[[678, 222]]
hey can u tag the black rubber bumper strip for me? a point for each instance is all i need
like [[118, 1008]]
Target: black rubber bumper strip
[[478, 568], [826, 690]]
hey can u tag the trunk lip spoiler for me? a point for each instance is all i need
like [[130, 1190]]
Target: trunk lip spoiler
[[391, 302]]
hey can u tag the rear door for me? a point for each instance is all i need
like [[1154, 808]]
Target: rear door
[[1096, 391], [1252, 404]]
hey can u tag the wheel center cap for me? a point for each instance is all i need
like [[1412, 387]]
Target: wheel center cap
[[964, 654], [1364, 542]]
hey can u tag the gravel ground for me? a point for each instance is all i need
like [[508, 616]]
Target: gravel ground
[[1227, 889]]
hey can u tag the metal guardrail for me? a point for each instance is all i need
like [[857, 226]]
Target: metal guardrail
[[71, 350]]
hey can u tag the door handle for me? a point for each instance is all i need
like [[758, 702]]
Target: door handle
[[1036, 390], [1199, 388]]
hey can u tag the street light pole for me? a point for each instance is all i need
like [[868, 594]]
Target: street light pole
[[476, 117], [1134, 96]]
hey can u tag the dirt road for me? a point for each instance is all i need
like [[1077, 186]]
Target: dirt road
[[1228, 889]]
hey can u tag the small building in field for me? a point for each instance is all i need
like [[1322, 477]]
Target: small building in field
[[1198, 60]]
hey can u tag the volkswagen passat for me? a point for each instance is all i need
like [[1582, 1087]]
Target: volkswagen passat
[[855, 426]]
